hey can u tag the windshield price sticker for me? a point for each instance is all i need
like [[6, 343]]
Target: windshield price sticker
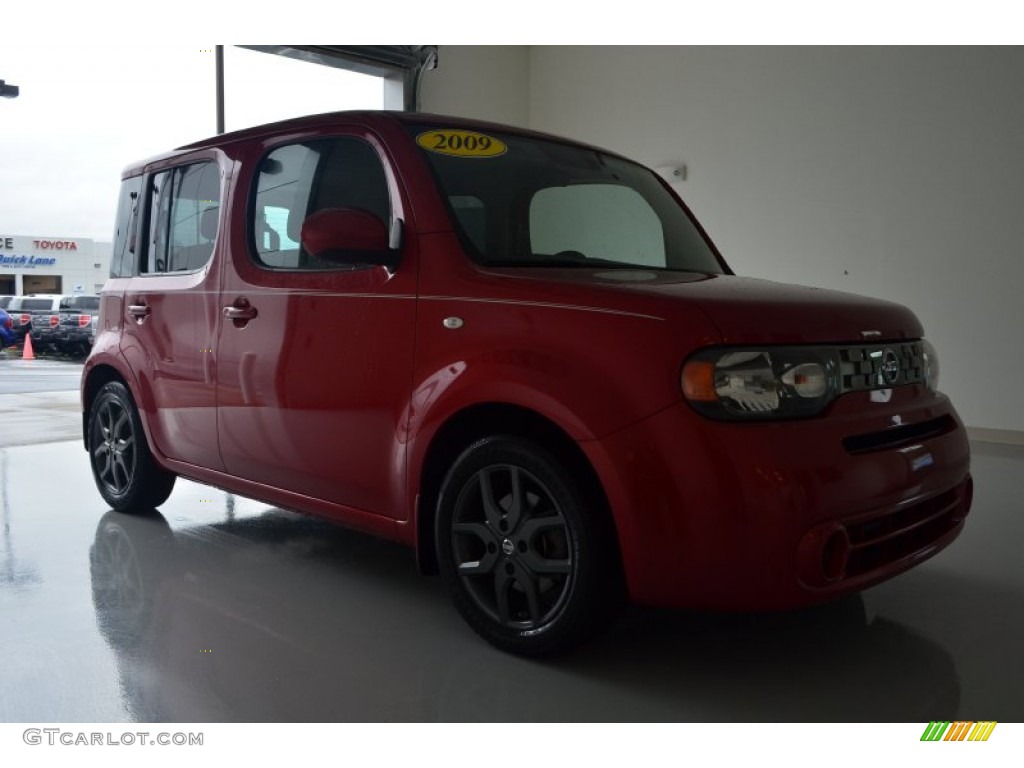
[[457, 143]]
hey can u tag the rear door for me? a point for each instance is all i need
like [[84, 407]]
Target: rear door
[[316, 364], [170, 315]]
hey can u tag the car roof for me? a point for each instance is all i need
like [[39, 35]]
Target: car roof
[[367, 118]]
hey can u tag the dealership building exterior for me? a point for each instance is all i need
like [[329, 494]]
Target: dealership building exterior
[[38, 264]]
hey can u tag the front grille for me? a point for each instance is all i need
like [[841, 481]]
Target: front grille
[[888, 538], [861, 367]]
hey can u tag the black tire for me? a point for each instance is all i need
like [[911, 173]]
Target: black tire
[[124, 470], [522, 553]]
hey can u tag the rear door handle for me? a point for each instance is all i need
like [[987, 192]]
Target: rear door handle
[[241, 312], [139, 311]]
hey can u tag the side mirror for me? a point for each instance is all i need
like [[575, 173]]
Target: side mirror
[[347, 236]]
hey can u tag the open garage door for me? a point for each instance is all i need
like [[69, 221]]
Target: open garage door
[[401, 66]]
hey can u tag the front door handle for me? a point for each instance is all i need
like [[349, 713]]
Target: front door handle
[[240, 312], [139, 311]]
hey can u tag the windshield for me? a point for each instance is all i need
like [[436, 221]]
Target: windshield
[[520, 201]]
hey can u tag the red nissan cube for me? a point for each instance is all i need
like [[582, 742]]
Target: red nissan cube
[[521, 356]]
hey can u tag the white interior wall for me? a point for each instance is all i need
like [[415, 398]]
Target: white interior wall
[[893, 172], [482, 82]]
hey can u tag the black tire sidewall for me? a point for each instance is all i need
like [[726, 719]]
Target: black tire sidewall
[[150, 485]]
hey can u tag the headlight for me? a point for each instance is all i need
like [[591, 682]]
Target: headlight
[[775, 382], [931, 366]]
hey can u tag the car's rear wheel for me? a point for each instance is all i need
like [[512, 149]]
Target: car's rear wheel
[[521, 551], [125, 472]]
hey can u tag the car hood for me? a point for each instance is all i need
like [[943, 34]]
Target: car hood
[[745, 310]]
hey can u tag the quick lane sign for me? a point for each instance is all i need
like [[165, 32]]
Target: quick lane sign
[[27, 261], [19, 252]]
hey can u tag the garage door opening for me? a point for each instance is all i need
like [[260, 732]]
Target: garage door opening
[[400, 67], [84, 112], [262, 88]]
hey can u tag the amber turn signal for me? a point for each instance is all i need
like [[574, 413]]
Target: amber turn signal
[[699, 381]]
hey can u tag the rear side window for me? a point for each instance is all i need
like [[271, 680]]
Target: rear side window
[[184, 209], [297, 180], [122, 260]]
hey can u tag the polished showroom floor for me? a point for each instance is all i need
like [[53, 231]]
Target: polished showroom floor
[[222, 609]]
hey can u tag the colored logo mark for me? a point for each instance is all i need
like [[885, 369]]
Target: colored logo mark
[[958, 731]]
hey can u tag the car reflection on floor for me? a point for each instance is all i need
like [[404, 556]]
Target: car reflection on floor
[[278, 617]]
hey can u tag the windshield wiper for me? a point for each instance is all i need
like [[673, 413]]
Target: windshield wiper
[[562, 260]]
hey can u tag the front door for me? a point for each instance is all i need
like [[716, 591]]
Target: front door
[[315, 357]]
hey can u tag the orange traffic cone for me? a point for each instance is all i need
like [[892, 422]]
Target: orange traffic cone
[[26, 350]]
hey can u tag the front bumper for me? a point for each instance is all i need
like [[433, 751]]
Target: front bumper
[[744, 516]]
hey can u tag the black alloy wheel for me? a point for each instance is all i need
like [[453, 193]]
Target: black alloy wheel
[[124, 469], [519, 548]]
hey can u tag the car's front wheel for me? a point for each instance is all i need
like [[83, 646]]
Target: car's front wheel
[[521, 550], [125, 472]]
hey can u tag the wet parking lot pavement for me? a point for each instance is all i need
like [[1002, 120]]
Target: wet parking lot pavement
[[39, 401], [19, 376], [219, 608]]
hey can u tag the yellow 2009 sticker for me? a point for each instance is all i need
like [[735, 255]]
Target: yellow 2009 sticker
[[459, 143]]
